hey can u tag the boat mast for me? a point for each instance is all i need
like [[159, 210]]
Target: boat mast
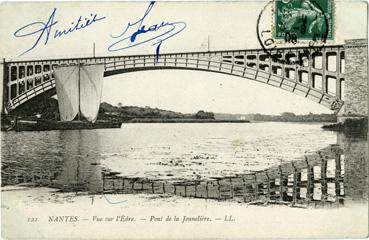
[[208, 43], [93, 50]]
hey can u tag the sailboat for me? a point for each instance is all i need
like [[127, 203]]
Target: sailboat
[[79, 90]]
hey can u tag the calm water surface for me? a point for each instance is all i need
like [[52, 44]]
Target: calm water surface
[[100, 160]]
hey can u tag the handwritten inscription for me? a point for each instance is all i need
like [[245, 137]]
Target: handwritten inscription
[[134, 34], [42, 32], [138, 33]]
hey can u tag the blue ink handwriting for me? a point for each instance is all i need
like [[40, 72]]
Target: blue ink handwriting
[[44, 30], [138, 33]]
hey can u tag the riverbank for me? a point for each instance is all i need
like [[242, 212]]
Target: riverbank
[[47, 213], [182, 120], [350, 126]]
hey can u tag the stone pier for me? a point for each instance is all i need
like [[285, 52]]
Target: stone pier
[[356, 80]]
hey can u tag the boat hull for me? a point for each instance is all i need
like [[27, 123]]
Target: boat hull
[[42, 125]]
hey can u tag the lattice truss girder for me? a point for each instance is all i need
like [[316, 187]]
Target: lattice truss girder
[[318, 76]]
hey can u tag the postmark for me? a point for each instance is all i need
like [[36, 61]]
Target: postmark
[[290, 23]]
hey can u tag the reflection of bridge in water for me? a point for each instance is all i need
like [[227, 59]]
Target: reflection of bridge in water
[[333, 176], [317, 180]]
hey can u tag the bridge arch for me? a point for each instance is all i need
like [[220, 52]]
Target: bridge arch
[[312, 79]]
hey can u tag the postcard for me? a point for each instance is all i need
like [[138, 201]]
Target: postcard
[[184, 119]]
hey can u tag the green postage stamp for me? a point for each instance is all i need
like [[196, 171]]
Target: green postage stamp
[[304, 19]]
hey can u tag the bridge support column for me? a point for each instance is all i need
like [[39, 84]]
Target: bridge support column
[[356, 80]]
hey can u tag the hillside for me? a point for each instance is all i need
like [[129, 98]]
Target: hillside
[[48, 109], [108, 111]]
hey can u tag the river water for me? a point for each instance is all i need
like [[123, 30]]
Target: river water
[[251, 161]]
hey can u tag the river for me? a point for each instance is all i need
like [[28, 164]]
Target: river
[[191, 159]]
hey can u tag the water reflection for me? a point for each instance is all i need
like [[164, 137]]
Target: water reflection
[[81, 169], [355, 154], [334, 176], [73, 167], [318, 180]]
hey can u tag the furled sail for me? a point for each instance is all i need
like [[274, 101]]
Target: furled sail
[[66, 81], [79, 88], [91, 77]]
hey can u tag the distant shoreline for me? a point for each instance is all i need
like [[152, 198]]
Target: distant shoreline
[[160, 120]]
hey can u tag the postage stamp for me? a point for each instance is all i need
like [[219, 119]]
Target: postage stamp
[[304, 19]]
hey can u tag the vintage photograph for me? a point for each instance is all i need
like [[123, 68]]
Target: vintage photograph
[[184, 119]]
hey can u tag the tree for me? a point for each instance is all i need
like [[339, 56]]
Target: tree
[[204, 115], [288, 116]]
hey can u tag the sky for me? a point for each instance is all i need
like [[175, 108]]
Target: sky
[[227, 25]]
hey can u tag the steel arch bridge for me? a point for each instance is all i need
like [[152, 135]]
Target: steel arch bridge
[[319, 76]]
